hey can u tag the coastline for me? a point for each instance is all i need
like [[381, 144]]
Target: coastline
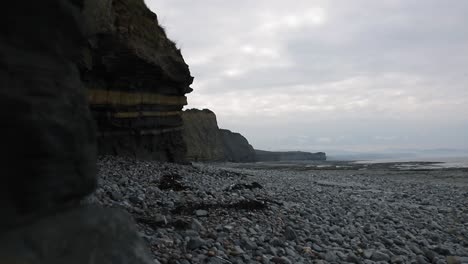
[[238, 213]]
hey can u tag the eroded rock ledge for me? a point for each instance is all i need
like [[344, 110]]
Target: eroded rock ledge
[[136, 79]]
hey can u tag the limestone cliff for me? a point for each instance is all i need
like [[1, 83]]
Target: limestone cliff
[[206, 142], [262, 155], [202, 136], [136, 79]]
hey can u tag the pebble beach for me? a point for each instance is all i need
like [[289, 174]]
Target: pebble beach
[[226, 213]]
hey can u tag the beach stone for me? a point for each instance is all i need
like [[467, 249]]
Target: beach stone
[[456, 260], [290, 234], [195, 243], [116, 195], [379, 256], [237, 250], [331, 256], [197, 226], [368, 253], [442, 250], [276, 242], [280, 260], [352, 258], [397, 259], [201, 213], [160, 219], [421, 259], [248, 244]]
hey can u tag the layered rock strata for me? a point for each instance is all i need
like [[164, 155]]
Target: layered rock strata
[[207, 142], [48, 141], [136, 79], [262, 155]]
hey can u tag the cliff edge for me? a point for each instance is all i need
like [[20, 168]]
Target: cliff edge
[[262, 155], [237, 147], [207, 142], [202, 136], [136, 79]]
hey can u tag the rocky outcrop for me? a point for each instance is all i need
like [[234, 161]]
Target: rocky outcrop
[[202, 136], [262, 155], [236, 147], [81, 235], [206, 142], [136, 79], [48, 141], [47, 152]]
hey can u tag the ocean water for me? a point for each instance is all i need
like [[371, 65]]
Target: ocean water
[[439, 162]]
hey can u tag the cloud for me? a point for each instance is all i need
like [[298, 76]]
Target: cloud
[[320, 64], [324, 140]]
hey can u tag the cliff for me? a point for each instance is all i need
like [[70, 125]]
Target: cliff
[[236, 147], [262, 155], [48, 153], [136, 80], [206, 142], [202, 136]]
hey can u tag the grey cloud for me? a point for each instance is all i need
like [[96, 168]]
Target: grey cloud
[[400, 65]]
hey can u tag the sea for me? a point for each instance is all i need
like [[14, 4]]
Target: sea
[[436, 162]]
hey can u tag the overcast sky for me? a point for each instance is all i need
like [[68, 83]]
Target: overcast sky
[[361, 75]]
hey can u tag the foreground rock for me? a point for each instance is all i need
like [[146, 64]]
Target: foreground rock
[[48, 143], [81, 235], [48, 146], [205, 214]]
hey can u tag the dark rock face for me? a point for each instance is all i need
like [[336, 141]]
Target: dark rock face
[[262, 155], [236, 147], [136, 79], [82, 235], [48, 142], [206, 142], [47, 137], [202, 136]]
